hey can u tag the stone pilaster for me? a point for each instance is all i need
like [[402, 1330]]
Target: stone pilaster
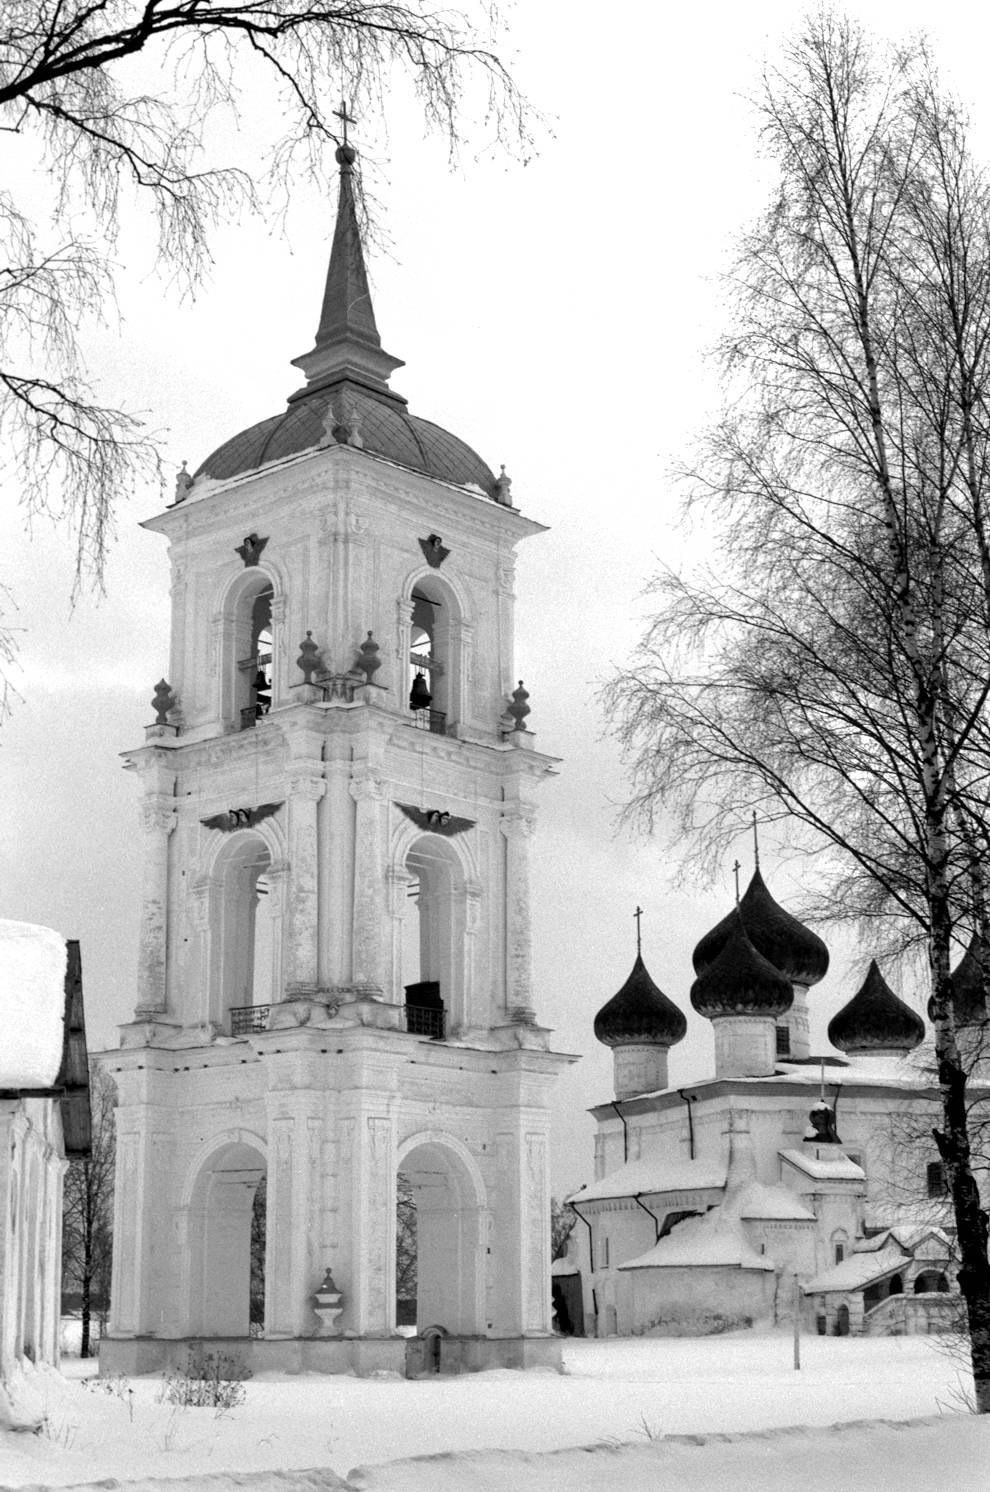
[[157, 822], [369, 899], [301, 933], [518, 829]]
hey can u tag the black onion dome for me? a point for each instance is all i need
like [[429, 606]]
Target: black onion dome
[[740, 981], [640, 1014], [968, 1000], [876, 1020], [386, 429], [793, 949]]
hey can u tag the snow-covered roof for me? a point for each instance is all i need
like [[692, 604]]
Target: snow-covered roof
[[858, 1270], [702, 1242], [650, 1175], [772, 1204], [839, 1169], [32, 1003]]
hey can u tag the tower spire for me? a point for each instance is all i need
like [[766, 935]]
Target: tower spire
[[347, 345]]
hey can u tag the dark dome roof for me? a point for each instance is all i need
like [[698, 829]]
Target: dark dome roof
[[740, 981], [386, 429], [640, 1014], [793, 949], [876, 1020], [968, 1001]]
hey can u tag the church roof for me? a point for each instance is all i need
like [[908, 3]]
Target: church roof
[[703, 1242], [793, 949], [740, 980], [649, 1175], [858, 1270], [968, 1002], [841, 1168], [640, 1014], [347, 399], [876, 1020], [386, 429]]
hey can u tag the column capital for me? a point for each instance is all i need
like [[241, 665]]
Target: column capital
[[517, 825], [306, 787], [367, 789], [158, 814]]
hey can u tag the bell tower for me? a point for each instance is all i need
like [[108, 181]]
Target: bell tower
[[334, 986]]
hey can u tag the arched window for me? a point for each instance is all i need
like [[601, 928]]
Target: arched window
[[840, 1245], [255, 666]]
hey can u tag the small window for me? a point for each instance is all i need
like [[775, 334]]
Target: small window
[[840, 1252], [783, 1041], [937, 1180], [605, 1252]]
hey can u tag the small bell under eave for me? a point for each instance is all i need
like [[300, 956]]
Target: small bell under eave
[[420, 697]]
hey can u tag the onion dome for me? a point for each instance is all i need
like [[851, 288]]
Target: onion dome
[[968, 1000], [876, 1020], [640, 1014], [739, 980], [347, 399], [793, 949]]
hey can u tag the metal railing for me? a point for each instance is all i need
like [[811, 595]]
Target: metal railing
[[426, 1020], [435, 721], [247, 1018]]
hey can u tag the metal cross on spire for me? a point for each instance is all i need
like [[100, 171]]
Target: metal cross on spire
[[638, 915], [736, 868], [344, 118], [756, 843]]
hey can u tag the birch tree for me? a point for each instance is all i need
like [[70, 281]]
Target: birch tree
[[831, 667]]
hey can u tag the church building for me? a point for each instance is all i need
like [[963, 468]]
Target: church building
[[782, 1181], [334, 988]]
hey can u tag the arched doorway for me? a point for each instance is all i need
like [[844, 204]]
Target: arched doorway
[[448, 1237], [222, 1226]]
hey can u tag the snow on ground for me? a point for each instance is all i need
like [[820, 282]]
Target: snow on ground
[[630, 1401]]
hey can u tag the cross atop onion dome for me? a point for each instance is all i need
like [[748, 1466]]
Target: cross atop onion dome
[[875, 1020], [739, 980], [793, 949]]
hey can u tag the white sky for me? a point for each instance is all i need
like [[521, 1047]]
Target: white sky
[[556, 316]]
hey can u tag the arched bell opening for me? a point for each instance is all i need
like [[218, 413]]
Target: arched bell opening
[[245, 952], [434, 649], [222, 1237], [433, 973], [248, 674], [439, 1215]]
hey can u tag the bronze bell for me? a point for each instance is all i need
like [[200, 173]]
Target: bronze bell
[[420, 697]]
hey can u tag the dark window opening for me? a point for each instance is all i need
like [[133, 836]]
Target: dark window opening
[[937, 1180], [783, 1041]]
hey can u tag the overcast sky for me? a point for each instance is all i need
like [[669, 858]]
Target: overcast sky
[[554, 315]]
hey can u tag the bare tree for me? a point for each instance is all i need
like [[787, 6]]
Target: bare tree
[[116, 101], [405, 1239], [832, 667], [87, 1224], [562, 1221]]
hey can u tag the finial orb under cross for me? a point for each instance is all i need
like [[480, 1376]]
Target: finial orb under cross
[[346, 155]]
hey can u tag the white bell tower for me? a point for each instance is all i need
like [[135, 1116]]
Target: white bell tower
[[334, 982]]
